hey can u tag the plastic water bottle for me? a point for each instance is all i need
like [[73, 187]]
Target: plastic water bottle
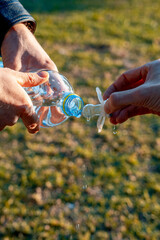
[[54, 101]]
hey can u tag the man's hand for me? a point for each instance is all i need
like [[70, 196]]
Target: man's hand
[[14, 101], [135, 92], [22, 52]]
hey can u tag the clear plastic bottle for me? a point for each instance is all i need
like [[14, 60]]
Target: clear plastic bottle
[[55, 101]]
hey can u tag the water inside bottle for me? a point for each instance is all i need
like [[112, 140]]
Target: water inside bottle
[[55, 101]]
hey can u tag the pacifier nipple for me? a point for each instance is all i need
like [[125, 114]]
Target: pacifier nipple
[[91, 110]]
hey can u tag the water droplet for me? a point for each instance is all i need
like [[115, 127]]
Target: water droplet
[[84, 167], [71, 205], [77, 226], [114, 129], [85, 186]]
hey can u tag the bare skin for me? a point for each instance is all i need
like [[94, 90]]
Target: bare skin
[[15, 102], [21, 52], [135, 92]]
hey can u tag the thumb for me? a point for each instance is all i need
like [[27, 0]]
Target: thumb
[[32, 79], [119, 100]]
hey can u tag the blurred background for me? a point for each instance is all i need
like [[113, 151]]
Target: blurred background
[[69, 182]]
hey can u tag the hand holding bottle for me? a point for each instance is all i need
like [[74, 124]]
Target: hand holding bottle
[[135, 92], [55, 100], [15, 102]]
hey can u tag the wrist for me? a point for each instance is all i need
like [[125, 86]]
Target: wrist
[[13, 44], [12, 36], [19, 28]]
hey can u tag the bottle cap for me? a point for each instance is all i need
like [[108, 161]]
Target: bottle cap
[[73, 105]]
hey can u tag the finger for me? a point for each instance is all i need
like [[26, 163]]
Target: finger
[[30, 119], [113, 117], [128, 112], [119, 100], [32, 79], [127, 80]]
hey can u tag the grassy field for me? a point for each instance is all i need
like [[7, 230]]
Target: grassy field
[[69, 182]]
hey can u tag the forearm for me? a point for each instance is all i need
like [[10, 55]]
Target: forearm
[[11, 13]]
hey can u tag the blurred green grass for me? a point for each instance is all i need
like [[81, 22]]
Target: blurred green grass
[[69, 182]]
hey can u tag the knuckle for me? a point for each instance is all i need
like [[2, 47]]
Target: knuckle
[[141, 92], [31, 79], [12, 121], [9, 120]]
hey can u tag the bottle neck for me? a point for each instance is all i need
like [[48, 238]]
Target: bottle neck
[[72, 105]]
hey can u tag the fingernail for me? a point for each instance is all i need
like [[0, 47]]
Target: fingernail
[[43, 74], [33, 126]]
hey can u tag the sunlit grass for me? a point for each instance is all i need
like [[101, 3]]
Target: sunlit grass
[[69, 182]]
